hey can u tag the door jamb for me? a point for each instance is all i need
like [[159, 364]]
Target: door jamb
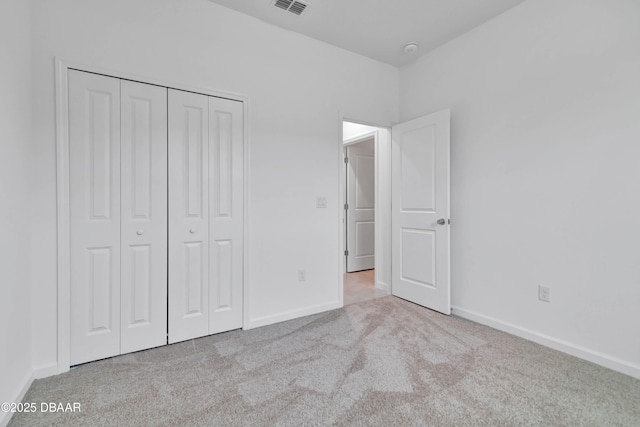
[[63, 248]]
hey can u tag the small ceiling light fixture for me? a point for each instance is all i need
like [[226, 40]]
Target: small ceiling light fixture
[[410, 47]]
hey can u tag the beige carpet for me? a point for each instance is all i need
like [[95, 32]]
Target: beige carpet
[[384, 362]]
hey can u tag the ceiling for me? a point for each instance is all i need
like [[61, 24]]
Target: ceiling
[[379, 28]]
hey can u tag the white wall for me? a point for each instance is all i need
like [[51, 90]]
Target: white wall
[[545, 106], [297, 87], [15, 172]]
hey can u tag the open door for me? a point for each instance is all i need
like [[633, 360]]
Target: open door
[[361, 206], [420, 211]]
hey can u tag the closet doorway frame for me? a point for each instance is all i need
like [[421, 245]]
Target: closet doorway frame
[[63, 228]]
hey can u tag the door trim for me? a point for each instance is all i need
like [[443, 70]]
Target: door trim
[[63, 279], [382, 204]]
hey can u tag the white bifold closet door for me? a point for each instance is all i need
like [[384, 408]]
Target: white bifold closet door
[[156, 240], [118, 215], [144, 216], [205, 215]]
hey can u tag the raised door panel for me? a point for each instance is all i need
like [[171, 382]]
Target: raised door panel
[[365, 184], [364, 242], [94, 176], [417, 169], [144, 216], [418, 257], [188, 215], [226, 208]]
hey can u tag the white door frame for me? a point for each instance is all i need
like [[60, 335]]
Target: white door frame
[[62, 190], [382, 203]]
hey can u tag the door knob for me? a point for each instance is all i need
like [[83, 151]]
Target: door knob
[[441, 221], [140, 232], [192, 230]]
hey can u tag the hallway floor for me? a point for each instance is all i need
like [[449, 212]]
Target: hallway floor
[[359, 287]]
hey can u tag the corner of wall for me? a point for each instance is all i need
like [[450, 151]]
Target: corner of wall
[[16, 188], [17, 396]]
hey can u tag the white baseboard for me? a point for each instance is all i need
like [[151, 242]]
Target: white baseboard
[[26, 382], [596, 357], [382, 286], [44, 371], [293, 314]]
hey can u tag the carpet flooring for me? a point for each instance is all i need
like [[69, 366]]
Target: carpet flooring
[[384, 362]]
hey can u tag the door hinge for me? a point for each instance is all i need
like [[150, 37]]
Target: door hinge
[[346, 206], [346, 160], [346, 253]]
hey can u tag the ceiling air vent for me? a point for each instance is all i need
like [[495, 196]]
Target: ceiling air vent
[[293, 6]]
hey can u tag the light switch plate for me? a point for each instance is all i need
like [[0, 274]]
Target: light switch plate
[[544, 293], [321, 202]]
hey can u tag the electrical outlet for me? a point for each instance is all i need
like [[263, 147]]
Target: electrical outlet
[[544, 293], [302, 275]]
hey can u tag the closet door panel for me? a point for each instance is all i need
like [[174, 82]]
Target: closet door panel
[[188, 215], [94, 176], [144, 216], [226, 214]]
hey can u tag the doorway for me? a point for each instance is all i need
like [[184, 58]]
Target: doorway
[[366, 214], [419, 151]]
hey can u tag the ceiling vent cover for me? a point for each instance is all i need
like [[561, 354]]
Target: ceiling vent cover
[[294, 6]]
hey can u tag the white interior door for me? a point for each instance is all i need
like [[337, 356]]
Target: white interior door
[[94, 176], [420, 211], [188, 215], [144, 216], [361, 206], [226, 214]]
